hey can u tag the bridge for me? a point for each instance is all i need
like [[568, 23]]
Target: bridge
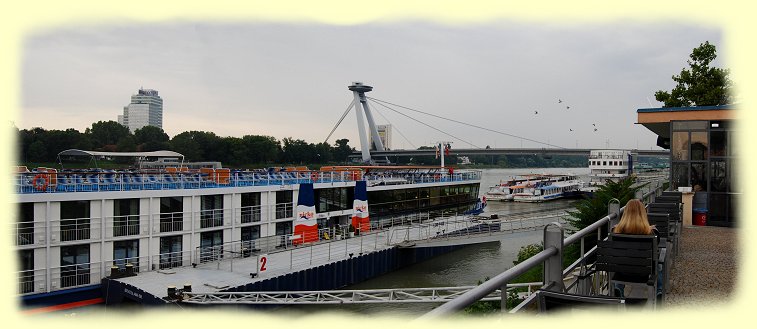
[[507, 151]]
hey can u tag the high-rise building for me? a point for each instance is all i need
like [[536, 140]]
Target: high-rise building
[[145, 109], [385, 134]]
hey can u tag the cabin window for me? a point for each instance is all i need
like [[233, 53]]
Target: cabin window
[[74, 261], [125, 217], [211, 213], [25, 228], [171, 214], [126, 251], [26, 276], [74, 224], [250, 210], [284, 200], [170, 251]]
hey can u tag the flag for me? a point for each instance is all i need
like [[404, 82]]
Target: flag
[[446, 149]]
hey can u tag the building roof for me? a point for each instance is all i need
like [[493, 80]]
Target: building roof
[[688, 108], [156, 154], [658, 119]]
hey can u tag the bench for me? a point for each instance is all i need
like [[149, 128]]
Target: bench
[[631, 260]]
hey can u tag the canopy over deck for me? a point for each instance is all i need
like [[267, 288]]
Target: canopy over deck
[[141, 155]]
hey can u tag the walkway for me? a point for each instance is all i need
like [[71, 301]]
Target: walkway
[[706, 268]]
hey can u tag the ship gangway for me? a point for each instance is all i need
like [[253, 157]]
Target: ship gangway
[[365, 296]]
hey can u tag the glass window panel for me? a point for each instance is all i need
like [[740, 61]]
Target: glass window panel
[[732, 147], [699, 177], [689, 125], [699, 145], [718, 142], [716, 210], [680, 175], [718, 176], [679, 146]]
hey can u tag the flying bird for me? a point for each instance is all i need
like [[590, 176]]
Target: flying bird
[[594, 125], [559, 100], [595, 129], [571, 130], [567, 107], [536, 112]]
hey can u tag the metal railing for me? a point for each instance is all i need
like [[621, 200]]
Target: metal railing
[[75, 229], [109, 180], [550, 257]]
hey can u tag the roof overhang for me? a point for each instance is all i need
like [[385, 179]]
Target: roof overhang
[[658, 119], [154, 154]]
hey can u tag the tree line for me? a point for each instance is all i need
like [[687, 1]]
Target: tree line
[[38, 145]]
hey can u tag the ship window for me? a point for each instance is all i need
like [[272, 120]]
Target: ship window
[[126, 217], [74, 224], [171, 214], [284, 204], [26, 277], [250, 207], [126, 252], [170, 251], [74, 261], [25, 224], [211, 214]]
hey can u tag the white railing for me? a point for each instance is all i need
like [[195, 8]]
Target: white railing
[[171, 221], [140, 264], [171, 260], [28, 233], [32, 281], [76, 275], [125, 225], [212, 218], [248, 214], [77, 229]]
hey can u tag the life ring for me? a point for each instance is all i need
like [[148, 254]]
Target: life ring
[[314, 176], [36, 182]]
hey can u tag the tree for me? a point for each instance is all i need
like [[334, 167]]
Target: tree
[[107, 133], [341, 150], [701, 84], [151, 138]]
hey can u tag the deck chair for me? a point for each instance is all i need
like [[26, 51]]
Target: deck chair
[[550, 301], [674, 209], [630, 260]]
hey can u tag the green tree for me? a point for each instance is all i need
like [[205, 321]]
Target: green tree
[[701, 84], [186, 144], [262, 149], [107, 133], [341, 150], [151, 138]]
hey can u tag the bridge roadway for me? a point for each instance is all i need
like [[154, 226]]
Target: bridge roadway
[[508, 151], [207, 279]]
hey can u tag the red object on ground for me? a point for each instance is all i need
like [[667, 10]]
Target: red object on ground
[[700, 219]]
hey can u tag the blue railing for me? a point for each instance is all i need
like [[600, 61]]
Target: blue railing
[[109, 180]]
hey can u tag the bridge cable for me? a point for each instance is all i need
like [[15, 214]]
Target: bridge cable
[[395, 127], [340, 121], [467, 124], [427, 125]]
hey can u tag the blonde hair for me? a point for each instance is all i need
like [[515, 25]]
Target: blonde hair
[[634, 220]]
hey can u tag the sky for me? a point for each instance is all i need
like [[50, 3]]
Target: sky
[[290, 79]]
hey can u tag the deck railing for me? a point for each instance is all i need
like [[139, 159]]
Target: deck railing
[[550, 257], [108, 180]]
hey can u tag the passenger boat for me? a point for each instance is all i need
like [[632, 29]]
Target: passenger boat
[[549, 187], [76, 226], [604, 165]]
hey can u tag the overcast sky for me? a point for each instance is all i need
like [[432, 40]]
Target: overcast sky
[[290, 80]]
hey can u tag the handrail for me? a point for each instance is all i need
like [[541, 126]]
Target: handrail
[[503, 278]]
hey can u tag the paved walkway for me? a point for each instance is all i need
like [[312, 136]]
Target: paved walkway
[[706, 268]]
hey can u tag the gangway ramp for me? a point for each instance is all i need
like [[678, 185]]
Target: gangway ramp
[[366, 296]]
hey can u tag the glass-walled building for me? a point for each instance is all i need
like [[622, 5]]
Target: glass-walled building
[[703, 156]]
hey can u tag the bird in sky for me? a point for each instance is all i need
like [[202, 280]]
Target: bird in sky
[[571, 130], [595, 129], [559, 100], [536, 112], [567, 107], [593, 124]]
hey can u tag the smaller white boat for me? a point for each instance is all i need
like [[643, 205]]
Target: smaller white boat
[[550, 188]]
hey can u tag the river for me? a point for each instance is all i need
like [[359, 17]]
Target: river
[[462, 267]]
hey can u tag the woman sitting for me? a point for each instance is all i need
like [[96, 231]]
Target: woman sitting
[[634, 221]]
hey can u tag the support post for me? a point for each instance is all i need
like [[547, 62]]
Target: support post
[[553, 238], [613, 207]]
